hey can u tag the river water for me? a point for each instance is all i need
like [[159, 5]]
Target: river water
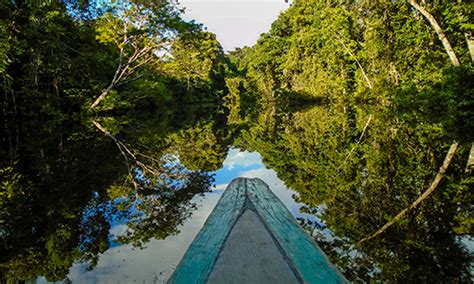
[[155, 263], [119, 199]]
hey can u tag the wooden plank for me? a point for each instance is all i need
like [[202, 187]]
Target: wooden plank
[[309, 260], [201, 255], [251, 256], [304, 258]]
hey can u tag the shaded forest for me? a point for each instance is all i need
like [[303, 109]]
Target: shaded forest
[[389, 100], [120, 113]]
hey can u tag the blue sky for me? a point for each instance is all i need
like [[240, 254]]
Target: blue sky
[[126, 264], [236, 23]]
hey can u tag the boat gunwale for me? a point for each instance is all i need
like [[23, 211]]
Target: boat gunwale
[[307, 261]]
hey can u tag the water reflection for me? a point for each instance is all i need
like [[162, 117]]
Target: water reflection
[[125, 263], [125, 199], [155, 263], [365, 164], [61, 195]]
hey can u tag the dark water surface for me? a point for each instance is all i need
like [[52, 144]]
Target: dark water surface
[[118, 199]]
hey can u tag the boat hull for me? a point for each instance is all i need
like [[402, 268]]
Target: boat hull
[[251, 237]]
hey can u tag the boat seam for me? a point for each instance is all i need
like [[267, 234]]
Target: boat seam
[[276, 241], [241, 212]]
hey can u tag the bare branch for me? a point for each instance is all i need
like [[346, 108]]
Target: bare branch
[[421, 198], [442, 37], [112, 84], [129, 155], [133, 62], [117, 142], [358, 142], [131, 80], [470, 44], [470, 159], [358, 63]]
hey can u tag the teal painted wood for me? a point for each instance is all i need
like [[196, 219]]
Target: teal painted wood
[[197, 263], [309, 262], [305, 255]]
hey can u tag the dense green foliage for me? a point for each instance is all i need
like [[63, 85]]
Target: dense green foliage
[[53, 57], [353, 103], [62, 181], [323, 50], [63, 193], [390, 104]]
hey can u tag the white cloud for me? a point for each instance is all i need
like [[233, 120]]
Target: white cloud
[[236, 23], [118, 230], [221, 186], [155, 263], [236, 158]]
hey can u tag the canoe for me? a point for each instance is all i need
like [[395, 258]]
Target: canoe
[[250, 237]]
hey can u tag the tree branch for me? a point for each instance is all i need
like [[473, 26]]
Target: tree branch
[[132, 79], [112, 84], [358, 63], [470, 159], [442, 37], [131, 156], [421, 198], [107, 133], [358, 142], [470, 44]]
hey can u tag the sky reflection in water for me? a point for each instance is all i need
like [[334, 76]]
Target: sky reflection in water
[[155, 263]]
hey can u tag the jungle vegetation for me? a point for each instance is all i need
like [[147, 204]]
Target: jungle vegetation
[[120, 113], [390, 99]]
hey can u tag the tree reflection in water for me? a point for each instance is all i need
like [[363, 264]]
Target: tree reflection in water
[[386, 172], [357, 123], [61, 194]]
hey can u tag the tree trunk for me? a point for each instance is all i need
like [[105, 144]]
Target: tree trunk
[[470, 159], [358, 142], [358, 64], [426, 194], [100, 98], [442, 37], [470, 44]]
